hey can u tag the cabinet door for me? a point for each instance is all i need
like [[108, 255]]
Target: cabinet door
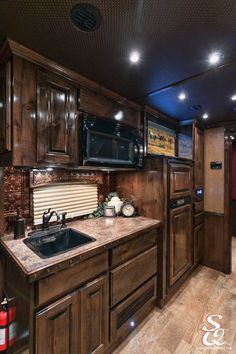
[[199, 158], [94, 304], [57, 327], [56, 120], [5, 109], [198, 243], [180, 180], [180, 242]]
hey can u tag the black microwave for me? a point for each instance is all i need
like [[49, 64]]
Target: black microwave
[[107, 143]]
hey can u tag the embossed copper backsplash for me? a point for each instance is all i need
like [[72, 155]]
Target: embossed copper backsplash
[[17, 185]]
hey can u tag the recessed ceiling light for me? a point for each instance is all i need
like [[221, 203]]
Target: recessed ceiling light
[[182, 96], [134, 57], [214, 58], [119, 115], [205, 116], [233, 98]]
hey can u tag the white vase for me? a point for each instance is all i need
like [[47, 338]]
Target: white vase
[[116, 202]]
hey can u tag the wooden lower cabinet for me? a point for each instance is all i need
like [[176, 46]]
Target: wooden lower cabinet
[[77, 323], [90, 307], [180, 242], [198, 243], [94, 316], [130, 275], [57, 329]]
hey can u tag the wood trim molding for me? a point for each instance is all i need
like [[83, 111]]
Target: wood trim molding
[[12, 47], [213, 213], [5, 53], [39, 178]]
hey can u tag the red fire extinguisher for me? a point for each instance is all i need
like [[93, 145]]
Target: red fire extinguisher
[[7, 324]]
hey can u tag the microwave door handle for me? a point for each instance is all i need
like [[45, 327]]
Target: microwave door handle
[[136, 151]]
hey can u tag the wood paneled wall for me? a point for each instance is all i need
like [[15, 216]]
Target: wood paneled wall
[[214, 241], [214, 179], [216, 202], [146, 186]]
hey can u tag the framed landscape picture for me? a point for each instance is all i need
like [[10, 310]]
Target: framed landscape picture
[[185, 145], [160, 140]]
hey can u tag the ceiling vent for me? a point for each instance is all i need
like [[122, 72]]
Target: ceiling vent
[[196, 107], [86, 17]]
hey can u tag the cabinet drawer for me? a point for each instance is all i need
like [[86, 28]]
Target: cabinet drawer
[[130, 275], [198, 219], [132, 248], [198, 207], [70, 278], [130, 312]]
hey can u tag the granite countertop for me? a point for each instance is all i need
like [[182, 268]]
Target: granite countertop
[[108, 232]]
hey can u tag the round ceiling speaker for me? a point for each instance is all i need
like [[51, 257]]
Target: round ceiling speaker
[[86, 17]]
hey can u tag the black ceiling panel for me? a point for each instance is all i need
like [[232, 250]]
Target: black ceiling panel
[[173, 36]]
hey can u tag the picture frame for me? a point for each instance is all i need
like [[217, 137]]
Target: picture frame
[[109, 211], [161, 140]]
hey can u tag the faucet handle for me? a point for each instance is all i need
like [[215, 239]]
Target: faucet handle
[[63, 220], [58, 216]]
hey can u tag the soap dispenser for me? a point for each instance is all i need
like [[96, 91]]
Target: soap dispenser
[[19, 226]]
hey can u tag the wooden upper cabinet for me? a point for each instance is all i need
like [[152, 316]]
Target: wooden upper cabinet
[[198, 158], [5, 109], [56, 327], [180, 242], [180, 180], [103, 106], [56, 120], [39, 100], [94, 316]]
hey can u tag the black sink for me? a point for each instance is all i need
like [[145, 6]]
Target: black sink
[[53, 242]]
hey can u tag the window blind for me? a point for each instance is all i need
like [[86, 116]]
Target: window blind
[[75, 199]]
